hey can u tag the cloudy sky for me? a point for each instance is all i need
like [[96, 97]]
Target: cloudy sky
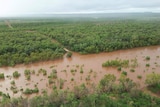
[[21, 7]]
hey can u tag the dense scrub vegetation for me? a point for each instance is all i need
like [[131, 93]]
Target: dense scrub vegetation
[[107, 94], [153, 82], [22, 47], [30, 40], [116, 63], [104, 36]]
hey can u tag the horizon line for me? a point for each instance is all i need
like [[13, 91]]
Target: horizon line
[[70, 13]]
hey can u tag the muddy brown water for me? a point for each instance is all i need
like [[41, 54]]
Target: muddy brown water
[[92, 68]]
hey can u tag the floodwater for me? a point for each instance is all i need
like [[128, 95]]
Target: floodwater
[[90, 64]]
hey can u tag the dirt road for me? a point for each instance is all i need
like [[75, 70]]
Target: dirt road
[[8, 24]]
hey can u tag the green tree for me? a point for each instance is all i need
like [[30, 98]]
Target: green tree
[[80, 91], [153, 79], [125, 84], [106, 84], [16, 74], [2, 76]]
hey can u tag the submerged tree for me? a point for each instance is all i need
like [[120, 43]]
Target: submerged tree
[[106, 84]]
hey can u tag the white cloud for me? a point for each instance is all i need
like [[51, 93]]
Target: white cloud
[[8, 7]]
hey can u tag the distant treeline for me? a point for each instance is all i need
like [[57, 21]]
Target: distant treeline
[[105, 36]]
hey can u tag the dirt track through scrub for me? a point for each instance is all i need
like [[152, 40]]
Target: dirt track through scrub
[[8, 24]]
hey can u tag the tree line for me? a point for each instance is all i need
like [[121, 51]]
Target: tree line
[[105, 36]]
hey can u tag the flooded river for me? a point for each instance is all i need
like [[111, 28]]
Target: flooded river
[[81, 69]]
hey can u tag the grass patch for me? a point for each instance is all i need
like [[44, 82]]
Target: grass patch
[[147, 58], [31, 91], [72, 79], [81, 70], [147, 65], [132, 70], [119, 68], [61, 83], [124, 73], [12, 82], [53, 74], [134, 63], [2, 76], [43, 71], [139, 77], [16, 74], [116, 63]]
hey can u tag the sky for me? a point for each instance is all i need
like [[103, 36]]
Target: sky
[[24, 7]]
